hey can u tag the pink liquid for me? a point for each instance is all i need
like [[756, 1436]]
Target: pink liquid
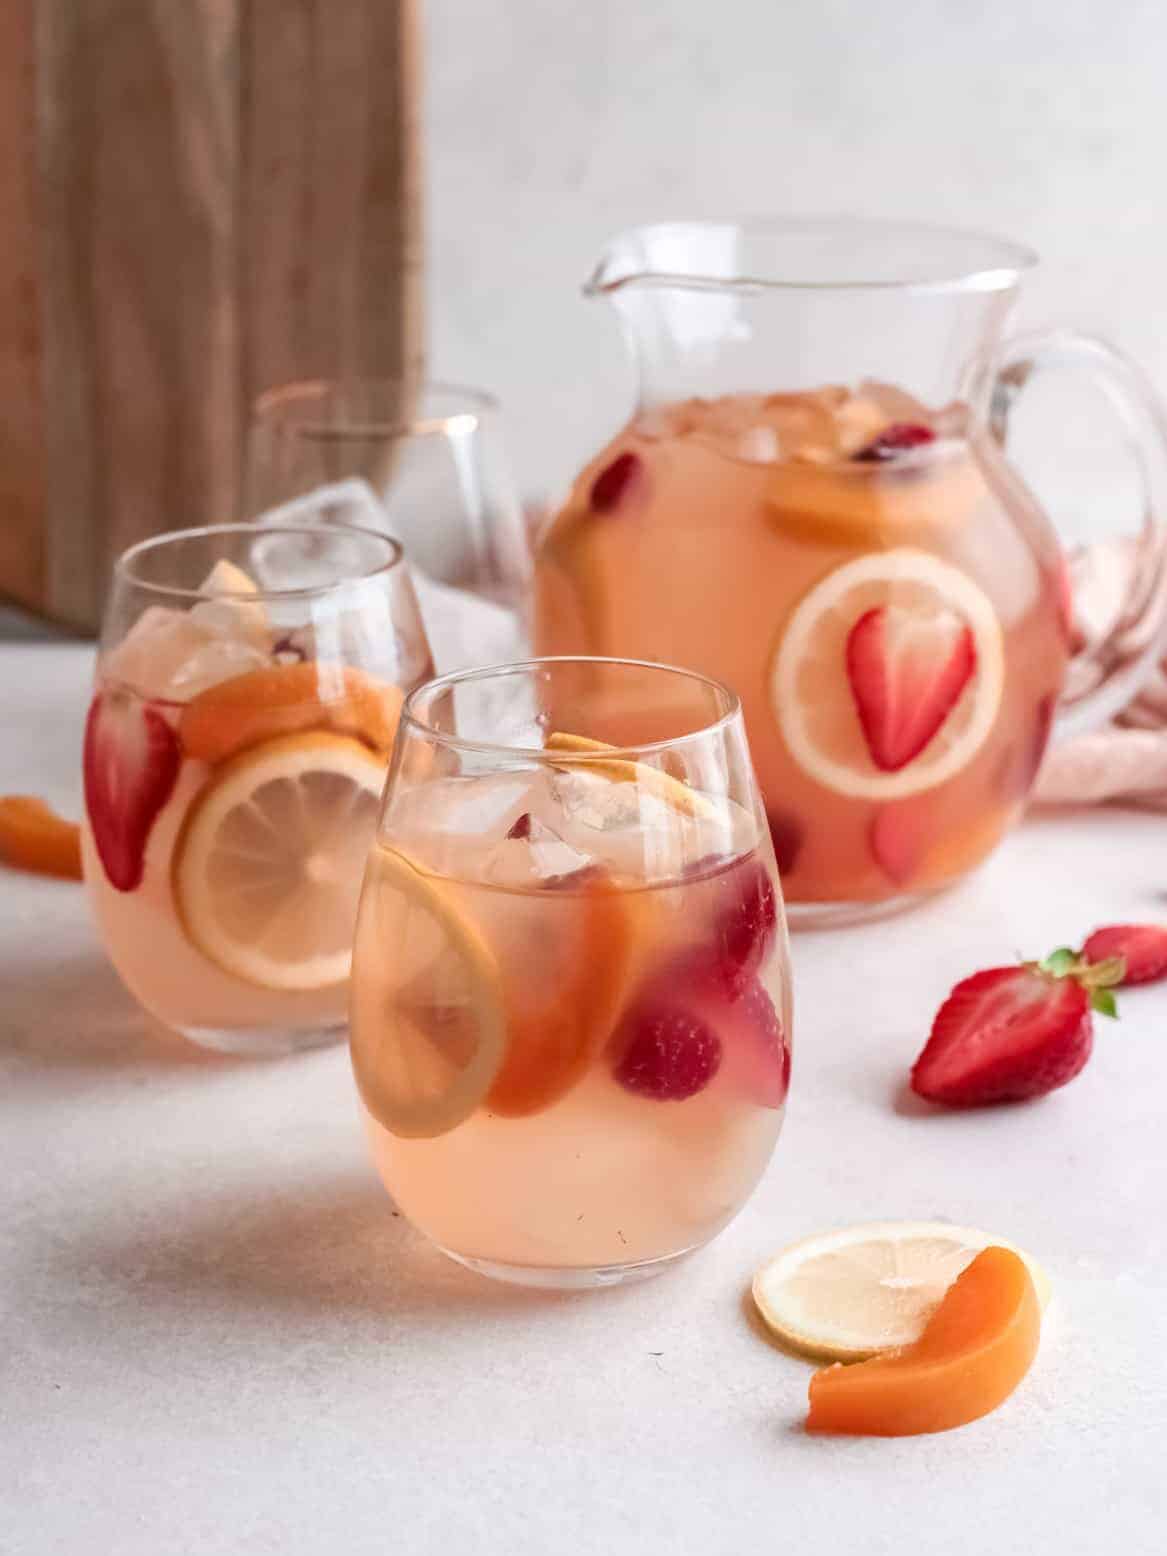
[[696, 534], [582, 1159]]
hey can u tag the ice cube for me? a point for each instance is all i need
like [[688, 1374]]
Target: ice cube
[[607, 805], [154, 649], [482, 807], [532, 854], [894, 403], [236, 612], [170, 656], [217, 659]]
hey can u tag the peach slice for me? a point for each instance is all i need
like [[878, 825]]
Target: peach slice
[[553, 1037], [286, 700], [974, 1351], [35, 838]]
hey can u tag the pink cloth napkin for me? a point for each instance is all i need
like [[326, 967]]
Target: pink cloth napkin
[[1125, 760]]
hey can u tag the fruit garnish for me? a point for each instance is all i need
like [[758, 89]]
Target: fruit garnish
[[747, 925], [268, 864], [701, 981], [745, 919], [285, 699], [923, 650], [907, 670], [616, 482], [1011, 1033], [896, 842], [662, 785], [666, 1051], [974, 1351], [862, 1290], [130, 763], [755, 1053], [786, 834], [1142, 948], [428, 1030], [562, 1013], [33, 837], [899, 438]]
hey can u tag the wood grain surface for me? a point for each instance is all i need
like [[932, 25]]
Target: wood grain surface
[[202, 199]]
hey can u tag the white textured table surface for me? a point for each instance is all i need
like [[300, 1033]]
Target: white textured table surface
[[217, 1338]]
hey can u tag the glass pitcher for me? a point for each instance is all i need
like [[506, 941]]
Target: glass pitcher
[[812, 502]]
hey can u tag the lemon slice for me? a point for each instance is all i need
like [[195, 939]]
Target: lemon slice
[[811, 695], [687, 801], [847, 1295], [267, 867], [428, 1028]]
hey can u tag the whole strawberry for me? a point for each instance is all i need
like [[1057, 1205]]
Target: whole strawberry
[[1015, 1032], [1142, 947]]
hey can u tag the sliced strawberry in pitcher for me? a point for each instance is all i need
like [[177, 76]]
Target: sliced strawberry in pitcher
[[897, 841], [907, 669], [131, 761]]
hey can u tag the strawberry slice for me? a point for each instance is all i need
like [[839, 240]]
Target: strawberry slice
[[1143, 948], [1015, 1032], [897, 842], [131, 761], [907, 669]]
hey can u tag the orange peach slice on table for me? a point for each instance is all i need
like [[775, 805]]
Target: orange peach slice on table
[[974, 1351], [287, 700], [34, 838]]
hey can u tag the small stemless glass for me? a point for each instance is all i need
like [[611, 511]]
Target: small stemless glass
[[247, 693], [571, 999]]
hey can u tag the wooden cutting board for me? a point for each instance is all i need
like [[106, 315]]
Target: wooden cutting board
[[198, 199]]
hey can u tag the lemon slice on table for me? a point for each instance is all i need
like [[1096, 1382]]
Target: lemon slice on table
[[849, 1294], [813, 700], [428, 1027], [268, 864], [662, 785]]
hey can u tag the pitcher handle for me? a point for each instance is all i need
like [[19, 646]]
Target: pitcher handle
[[1110, 673]]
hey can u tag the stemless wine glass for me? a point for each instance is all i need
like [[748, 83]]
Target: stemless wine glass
[[571, 999], [429, 465], [247, 694]]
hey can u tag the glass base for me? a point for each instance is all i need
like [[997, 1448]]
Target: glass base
[[570, 1278], [264, 1042], [838, 915]]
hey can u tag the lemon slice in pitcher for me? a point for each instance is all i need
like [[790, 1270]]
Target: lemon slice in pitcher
[[889, 674]]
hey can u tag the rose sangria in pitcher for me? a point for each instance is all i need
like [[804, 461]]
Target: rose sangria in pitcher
[[812, 503]]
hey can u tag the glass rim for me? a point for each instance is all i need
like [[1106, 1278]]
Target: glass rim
[[475, 404], [1003, 261], [540, 754], [124, 566]]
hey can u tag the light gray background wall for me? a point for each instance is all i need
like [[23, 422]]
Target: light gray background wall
[[552, 123]]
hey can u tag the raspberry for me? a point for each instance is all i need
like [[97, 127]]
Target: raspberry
[[667, 1053]]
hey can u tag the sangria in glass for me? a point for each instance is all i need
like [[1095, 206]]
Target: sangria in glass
[[812, 502], [247, 694], [571, 997]]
